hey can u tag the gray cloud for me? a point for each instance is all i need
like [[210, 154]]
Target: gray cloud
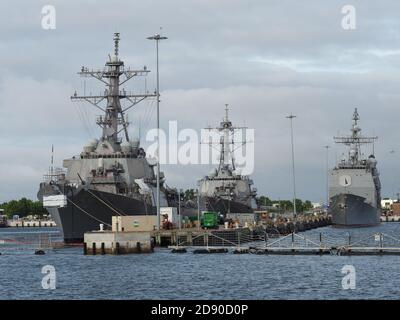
[[265, 58]]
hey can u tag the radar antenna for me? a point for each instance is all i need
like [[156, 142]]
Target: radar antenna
[[226, 143], [355, 140], [113, 76]]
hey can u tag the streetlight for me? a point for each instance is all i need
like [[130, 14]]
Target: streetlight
[[157, 37], [179, 207], [327, 177], [392, 152], [291, 116], [198, 209]]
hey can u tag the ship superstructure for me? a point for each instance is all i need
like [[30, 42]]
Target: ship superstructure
[[355, 188], [112, 175], [225, 189]]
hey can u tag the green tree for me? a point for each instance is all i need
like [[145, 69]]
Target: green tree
[[189, 195], [37, 209], [23, 207], [264, 201], [307, 205]]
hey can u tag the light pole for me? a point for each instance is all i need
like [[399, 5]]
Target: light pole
[[198, 209], [392, 152], [157, 37], [179, 206], [291, 117], [327, 177]]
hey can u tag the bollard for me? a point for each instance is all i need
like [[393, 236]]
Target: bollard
[[158, 239], [85, 248], [103, 250], [293, 250], [94, 248], [189, 238]]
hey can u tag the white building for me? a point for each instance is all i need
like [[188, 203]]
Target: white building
[[387, 203], [316, 205]]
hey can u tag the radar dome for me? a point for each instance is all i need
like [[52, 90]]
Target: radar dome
[[135, 144], [126, 147], [90, 146]]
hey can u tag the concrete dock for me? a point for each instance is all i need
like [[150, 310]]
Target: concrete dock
[[129, 234], [111, 242]]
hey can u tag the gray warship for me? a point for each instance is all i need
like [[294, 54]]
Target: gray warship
[[112, 175], [225, 189], [355, 187]]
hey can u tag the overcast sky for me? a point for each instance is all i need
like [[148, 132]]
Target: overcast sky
[[265, 58]]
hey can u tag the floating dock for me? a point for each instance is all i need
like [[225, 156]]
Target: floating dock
[[233, 236], [295, 244]]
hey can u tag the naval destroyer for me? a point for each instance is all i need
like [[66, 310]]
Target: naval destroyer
[[225, 189], [112, 175], [354, 183]]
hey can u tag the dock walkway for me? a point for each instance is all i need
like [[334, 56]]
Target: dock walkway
[[296, 244]]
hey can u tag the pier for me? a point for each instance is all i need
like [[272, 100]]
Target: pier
[[393, 218], [222, 236], [298, 244], [21, 223]]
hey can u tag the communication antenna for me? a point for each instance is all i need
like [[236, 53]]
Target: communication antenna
[[52, 159]]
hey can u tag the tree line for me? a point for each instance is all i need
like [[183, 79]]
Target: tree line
[[285, 205], [23, 207], [282, 205]]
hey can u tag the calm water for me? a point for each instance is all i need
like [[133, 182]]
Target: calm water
[[163, 275]]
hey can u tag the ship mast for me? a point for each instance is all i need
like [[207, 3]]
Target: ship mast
[[113, 120], [226, 130], [355, 140]]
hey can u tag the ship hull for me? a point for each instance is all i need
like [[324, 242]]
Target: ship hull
[[348, 210], [224, 206], [87, 209]]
